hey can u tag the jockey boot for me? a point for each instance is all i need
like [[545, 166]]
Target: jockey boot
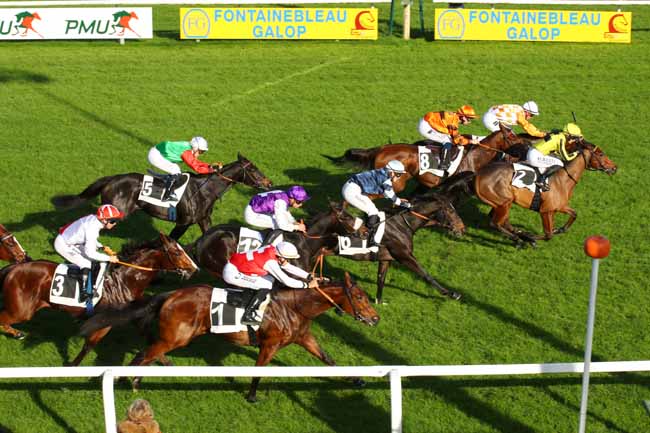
[[542, 181], [372, 224], [445, 153], [250, 317], [170, 181], [86, 282], [272, 236]]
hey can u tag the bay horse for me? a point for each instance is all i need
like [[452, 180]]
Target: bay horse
[[474, 157], [184, 314], [493, 185], [10, 248], [195, 206], [26, 286]]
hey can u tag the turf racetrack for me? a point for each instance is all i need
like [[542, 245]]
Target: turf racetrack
[[75, 111]]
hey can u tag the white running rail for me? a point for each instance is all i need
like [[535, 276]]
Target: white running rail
[[394, 372]]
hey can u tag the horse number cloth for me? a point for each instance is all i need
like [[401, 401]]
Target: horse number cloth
[[224, 317], [153, 189], [524, 176], [66, 290], [251, 240], [429, 162]]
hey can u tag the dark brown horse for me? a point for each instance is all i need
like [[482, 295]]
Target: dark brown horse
[[493, 185], [26, 286], [184, 314], [474, 157], [10, 248]]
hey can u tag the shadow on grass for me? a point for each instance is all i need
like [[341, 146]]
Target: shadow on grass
[[35, 393], [17, 75]]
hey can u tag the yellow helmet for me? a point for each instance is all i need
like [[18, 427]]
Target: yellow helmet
[[573, 129], [467, 111]]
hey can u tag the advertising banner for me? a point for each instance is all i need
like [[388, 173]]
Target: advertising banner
[[532, 25], [75, 23], [278, 23]]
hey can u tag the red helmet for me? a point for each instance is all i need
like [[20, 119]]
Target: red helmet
[[109, 212], [467, 111]]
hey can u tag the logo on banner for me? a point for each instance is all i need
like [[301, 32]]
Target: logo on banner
[[618, 27], [118, 25], [25, 20], [122, 20], [364, 23], [196, 24], [450, 25]]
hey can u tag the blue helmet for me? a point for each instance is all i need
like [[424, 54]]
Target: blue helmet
[[298, 193]]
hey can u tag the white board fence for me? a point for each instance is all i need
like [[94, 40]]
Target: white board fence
[[394, 372]]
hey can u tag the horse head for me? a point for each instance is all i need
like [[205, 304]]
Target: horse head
[[357, 304], [10, 248], [252, 176], [441, 212], [176, 258], [598, 160]]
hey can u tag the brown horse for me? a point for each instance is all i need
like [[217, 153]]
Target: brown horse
[[10, 248], [184, 314], [26, 286], [473, 159], [493, 185]]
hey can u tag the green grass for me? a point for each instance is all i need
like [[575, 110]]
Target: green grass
[[74, 111]]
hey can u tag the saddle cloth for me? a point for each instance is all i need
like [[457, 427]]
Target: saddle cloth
[[524, 176], [226, 317], [429, 160], [153, 188], [66, 290], [250, 239], [350, 245]]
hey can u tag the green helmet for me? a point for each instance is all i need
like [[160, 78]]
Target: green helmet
[[573, 129]]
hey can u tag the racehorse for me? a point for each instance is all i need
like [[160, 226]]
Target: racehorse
[[493, 185], [10, 248], [195, 206], [497, 143], [184, 314], [26, 286]]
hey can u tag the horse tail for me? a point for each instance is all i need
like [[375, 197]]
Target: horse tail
[[360, 157], [459, 182], [70, 201], [144, 311]]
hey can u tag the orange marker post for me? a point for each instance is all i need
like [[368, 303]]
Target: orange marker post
[[596, 247]]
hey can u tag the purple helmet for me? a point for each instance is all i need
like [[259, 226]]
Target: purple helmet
[[298, 193]]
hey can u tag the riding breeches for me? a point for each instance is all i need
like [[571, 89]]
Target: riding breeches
[[541, 161], [431, 134], [231, 275], [157, 160], [259, 219], [491, 122], [71, 253], [353, 194]]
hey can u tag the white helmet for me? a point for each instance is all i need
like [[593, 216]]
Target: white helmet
[[287, 250], [199, 143], [395, 166], [531, 107]]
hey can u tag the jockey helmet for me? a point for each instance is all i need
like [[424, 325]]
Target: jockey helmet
[[199, 143], [531, 107], [395, 166], [298, 193], [467, 111], [109, 212], [287, 250], [573, 129]]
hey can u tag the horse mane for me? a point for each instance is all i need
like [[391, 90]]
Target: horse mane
[[133, 248]]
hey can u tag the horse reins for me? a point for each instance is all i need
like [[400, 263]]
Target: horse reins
[[319, 261]]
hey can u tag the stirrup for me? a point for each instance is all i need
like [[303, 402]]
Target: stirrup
[[250, 320]]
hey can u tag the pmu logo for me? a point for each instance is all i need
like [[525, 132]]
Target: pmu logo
[[365, 24], [196, 24], [450, 25], [25, 20], [618, 28]]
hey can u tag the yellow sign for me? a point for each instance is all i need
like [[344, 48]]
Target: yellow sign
[[278, 23], [531, 25]]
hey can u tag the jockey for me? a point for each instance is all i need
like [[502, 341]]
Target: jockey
[[442, 127], [511, 115], [539, 155], [77, 242], [166, 154], [271, 210], [258, 269], [356, 190]]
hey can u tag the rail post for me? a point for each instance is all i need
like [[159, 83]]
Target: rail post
[[395, 401], [109, 401]]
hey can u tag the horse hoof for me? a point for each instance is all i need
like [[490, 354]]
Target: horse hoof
[[358, 382], [455, 296], [20, 336]]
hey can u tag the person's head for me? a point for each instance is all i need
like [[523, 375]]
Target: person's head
[[199, 144], [573, 131], [466, 113], [297, 195], [140, 410], [109, 215], [395, 169], [285, 251], [530, 109]]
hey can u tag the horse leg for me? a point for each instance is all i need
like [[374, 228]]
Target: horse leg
[[501, 222], [152, 353], [311, 345], [89, 345], [179, 231], [16, 310], [409, 260], [266, 354], [572, 217], [547, 222], [382, 269], [204, 224]]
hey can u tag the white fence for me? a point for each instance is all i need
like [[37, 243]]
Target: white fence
[[395, 374]]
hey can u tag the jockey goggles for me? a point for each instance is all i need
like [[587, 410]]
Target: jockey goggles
[[112, 220]]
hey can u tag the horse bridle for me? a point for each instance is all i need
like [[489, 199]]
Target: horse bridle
[[9, 235], [355, 313], [425, 218]]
